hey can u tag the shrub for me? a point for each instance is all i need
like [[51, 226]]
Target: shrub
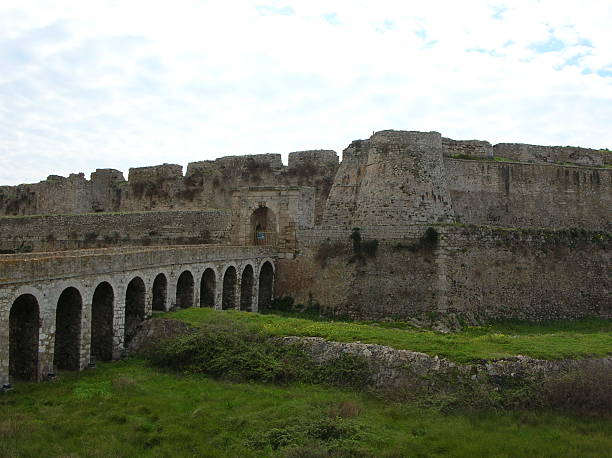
[[586, 391], [242, 355]]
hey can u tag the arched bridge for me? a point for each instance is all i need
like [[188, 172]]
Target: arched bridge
[[65, 309]]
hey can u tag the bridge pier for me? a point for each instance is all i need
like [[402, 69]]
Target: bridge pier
[[85, 347], [119, 321], [96, 291]]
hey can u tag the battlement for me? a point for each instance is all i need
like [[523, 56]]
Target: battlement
[[313, 158], [395, 177], [164, 171]]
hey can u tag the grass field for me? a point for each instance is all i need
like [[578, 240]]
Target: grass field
[[552, 340], [127, 409]]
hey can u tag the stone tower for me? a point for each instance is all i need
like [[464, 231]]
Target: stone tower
[[395, 178]]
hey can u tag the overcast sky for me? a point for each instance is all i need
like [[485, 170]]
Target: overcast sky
[[126, 83]]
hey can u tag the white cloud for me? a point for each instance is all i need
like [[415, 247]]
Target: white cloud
[[123, 84]]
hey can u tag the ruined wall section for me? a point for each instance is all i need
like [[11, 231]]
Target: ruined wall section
[[206, 184], [106, 187], [99, 230], [56, 194], [393, 179], [316, 169], [530, 195]]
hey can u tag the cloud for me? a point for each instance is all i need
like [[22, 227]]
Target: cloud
[[86, 85]]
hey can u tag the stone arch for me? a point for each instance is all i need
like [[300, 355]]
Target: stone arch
[[263, 226], [266, 285], [207, 288], [66, 353], [24, 330], [134, 307], [102, 310], [184, 290], [160, 292], [246, 289], [229, 288]]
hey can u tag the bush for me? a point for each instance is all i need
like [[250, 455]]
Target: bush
[[242, 355], [584, 391]]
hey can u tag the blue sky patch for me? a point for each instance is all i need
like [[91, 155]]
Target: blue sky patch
[[332, 18], [269, 10], [605, 72], [553, 44], [499, 11]]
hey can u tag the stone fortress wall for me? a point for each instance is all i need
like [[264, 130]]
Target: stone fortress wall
[[207, 184], [19, 234], [523, 230]]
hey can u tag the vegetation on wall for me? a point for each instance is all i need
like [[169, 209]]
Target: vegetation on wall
[[427, 242]]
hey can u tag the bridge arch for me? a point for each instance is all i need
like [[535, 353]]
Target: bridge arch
[[135, 295], [229, 288], [160, 292], [102, 318], [246, 288], [184, 290], [24, 332], [266, 285], [68, 313], [208, 286]]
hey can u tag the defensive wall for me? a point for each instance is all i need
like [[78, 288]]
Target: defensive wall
[[99, 230], [530, 195], [398, 178], [463, 231], [207, 184], [472, 273], [61, 309]]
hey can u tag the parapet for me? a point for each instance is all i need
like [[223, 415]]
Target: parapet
[[420, 140], [317, 158], [164, 171], [107, 175], [251, 161], [467, 148], [549, 154]]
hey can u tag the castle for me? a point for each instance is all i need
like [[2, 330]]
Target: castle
[[410, 225]]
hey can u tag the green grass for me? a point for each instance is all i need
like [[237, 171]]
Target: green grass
[[552, 340], [127, 409]]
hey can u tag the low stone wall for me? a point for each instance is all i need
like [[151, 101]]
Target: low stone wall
[[397, 369], [99, 230], [392, 369]]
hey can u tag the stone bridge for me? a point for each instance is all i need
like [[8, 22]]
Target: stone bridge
[[65, 310]]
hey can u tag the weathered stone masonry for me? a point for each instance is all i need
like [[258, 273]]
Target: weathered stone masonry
[[123, 279], [520, 231]]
